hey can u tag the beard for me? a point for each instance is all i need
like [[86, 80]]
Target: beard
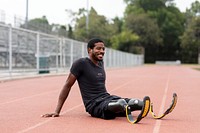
[[98, 57]]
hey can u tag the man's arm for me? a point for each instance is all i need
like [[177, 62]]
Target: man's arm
[[63, 96]]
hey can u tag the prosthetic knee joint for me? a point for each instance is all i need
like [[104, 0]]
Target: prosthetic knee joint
[[135, 104]]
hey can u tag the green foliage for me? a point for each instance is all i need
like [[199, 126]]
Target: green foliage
[[133, 6], [159, 24], [193, 12], [145, 27], [117, 26], [171, 25], [191, 37], [195, 9], [151, 5], [124, 41], [190, 40], [38, 24], [70, 32], [97, 27]]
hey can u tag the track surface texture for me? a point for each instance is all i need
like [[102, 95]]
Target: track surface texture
[[23, 101]]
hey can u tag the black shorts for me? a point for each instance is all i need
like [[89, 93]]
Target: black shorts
[[99, 107]]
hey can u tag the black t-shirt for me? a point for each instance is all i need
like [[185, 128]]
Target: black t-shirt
[[91, 80]]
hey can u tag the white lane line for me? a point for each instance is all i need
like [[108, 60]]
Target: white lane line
[[158, 122], [48, 120]]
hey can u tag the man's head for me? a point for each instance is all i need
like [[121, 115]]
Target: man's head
[[92, 42], [96, 49]]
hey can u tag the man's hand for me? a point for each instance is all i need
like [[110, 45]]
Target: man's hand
[[51, 115]]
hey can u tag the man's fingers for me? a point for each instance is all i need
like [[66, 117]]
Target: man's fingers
[[55, 115], [47, 115], [50, 115]]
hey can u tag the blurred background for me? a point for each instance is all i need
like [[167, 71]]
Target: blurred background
[[44, 35]]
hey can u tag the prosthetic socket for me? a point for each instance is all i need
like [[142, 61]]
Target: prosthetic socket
[[118, 106]]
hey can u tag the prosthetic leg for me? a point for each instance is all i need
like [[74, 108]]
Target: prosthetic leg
[[121, 106], [169, 110], [126, 107]]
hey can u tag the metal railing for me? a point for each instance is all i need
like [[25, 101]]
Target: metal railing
[[23, 51]]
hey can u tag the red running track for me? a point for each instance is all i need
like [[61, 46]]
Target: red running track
[[23, 101]]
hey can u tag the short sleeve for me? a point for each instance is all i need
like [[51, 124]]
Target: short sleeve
[[76, 68]]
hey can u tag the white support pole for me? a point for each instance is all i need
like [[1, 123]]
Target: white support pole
[[63, 54], [61, 51], [10, 50], [83, 49], [26, 23], [38, 52], [71, 51], [57, 55]]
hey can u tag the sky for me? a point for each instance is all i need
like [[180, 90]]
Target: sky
[[55, 12]]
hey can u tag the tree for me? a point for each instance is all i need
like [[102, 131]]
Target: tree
[[97, 26], [164, 25], [171, 23], [191, 41], [148, 32], [59, 30], [125, 41], [194, 11], [146, 28], [142, 6], [114, 27], [38, 24], [70, 32]]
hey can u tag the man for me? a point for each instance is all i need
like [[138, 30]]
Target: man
[[90, 74]]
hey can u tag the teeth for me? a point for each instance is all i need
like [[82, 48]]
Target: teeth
[[100, 56]]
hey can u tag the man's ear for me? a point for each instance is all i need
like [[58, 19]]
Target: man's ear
[[89, 49]]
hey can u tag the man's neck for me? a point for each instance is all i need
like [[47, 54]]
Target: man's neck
[[94, 61]]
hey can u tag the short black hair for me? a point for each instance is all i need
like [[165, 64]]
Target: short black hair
[[92, 41]]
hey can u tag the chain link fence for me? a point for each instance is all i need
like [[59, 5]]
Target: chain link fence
[[24, 52]]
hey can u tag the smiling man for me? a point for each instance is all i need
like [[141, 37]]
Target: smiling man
[[91, 76]]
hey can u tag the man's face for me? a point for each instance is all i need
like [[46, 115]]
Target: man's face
[[98, 51]]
